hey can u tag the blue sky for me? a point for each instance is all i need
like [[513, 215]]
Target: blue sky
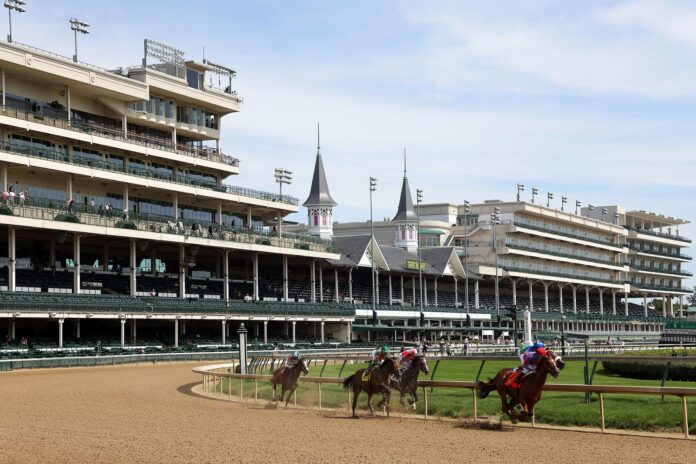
[[592, 100]]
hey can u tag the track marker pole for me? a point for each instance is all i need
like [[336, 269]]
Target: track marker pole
[[319, 393], [686, 417], [601, 410], [256, 390]]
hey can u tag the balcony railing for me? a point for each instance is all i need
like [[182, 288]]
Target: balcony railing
[[661, 288], [147, 173], [522, 222], [510, 243], [659, 234], [569, 275], [52, 210], [661, 270], [209, 154], [659, 253]]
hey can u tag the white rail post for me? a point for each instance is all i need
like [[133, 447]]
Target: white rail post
[[475, 404], [425, 402], [601, 410], [319, 393], [686, 417]]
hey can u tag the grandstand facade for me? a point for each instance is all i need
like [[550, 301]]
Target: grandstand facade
[[121, 222]]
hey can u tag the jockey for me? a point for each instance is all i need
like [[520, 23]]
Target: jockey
[[377, 356], [406, 357], [531, 355], [291, 360]]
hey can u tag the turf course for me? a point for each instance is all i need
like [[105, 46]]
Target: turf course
[[636, 412]]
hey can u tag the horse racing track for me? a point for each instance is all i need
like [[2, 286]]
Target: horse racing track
[[151, 413]]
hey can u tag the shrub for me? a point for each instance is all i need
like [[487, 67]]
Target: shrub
[[650, 370]]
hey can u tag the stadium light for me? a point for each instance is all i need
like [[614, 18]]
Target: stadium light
[[495, 220], [590, 208], [419, 198], [373, 187], [616, 218], [549, 197], [604, 213], [577, 206], [282, 176], [564, 200], [18, 6], [520, 188], [78, 26], [467, 210], [534, 193]]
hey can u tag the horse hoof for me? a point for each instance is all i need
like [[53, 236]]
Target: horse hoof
[[414, 406]]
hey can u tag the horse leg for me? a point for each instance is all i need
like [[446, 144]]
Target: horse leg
[[505, 405], [290, 393], [414, 399], [369, 404], [356, 392], [385, 400], [273, 398]]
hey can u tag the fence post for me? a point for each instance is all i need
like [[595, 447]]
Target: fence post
[[342, 366], [321, 374], [586, 372], [601, 410], [473, 391], [478, 374], [256, 390], [229, 387], [665, 374], [241, 389], [432, 376], [425, 402], [686, 417], [319, 390]]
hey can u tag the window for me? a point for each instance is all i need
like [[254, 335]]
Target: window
[[324, 218], [194, 79], [316, 219], [403, 233], [410, 233]]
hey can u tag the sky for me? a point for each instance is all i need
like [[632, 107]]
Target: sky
[[590, 100]]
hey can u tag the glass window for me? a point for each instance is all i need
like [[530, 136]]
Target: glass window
[[194, 79]]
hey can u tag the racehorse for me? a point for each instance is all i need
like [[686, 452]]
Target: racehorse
[[528, 393], [409, 380], [377, 382], [288, 378]]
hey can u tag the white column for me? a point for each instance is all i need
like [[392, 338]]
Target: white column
[[425, 291], [60, 332], [546, 297], [401, 278], [560, 298], [3, 172], [68, 102], [133, 266], [175, 205], [322, 331], [126, 199], [123, 332], [390, 289], [77, 328], [575, 299], [255, 264], [681, 306], [435, 288], [456, 293], [69, 187], [226, 275], [613, 302], [4, 94], [248, 221], [645, 304], [224, 325], [176, 333], [312, 282], [294, 323], [124, 126], [265, 332], [182, 271], [12, 254], [377, 285], [476, 295], [350, 284], [514, 292], [285, 278], [601, 301], [336, 285], [531, 295], [413, 290], [587, 300], [321, 283], [76, 260], [664, 307], [134, 330]]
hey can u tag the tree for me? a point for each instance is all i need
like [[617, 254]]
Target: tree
[[692, 298]]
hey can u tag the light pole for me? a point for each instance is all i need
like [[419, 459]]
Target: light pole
[[590, 208], [520, 188], [282, 176], [549, 197], [564, 200], [373, 187], [534, 193], [78, 26], [467, 210], [18, 6], [419, 198], [616, 218], [604, 213], [577, 206], [495, 220]]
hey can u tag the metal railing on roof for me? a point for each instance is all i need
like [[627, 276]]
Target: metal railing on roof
[[56, 55], [658, 234], [678, 255]]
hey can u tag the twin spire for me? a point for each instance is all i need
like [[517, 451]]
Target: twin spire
[[319, 193], [405, 211]]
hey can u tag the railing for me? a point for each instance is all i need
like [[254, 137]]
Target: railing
[[661, 288], [56, 55], [661, 270], [658, 234], [529, 224], [117, 134], [659, 253], [213, 376], [76, 159], [38, 208], [530, 270], [511, 243]]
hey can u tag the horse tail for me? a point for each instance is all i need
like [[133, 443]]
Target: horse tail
[[484, 388], [348, 381]]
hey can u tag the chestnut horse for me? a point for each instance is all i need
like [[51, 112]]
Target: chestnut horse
[[377, 382], [527, 395], [288, 379]]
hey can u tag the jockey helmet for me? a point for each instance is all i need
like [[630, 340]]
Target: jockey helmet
[[538, 344], [384, 349], [296, 354]]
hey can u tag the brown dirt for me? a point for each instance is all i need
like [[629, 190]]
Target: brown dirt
[[148, 414]]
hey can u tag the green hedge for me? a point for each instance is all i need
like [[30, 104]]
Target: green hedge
[[650, 370]]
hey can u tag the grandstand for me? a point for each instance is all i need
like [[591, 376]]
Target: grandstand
[[121, 227]]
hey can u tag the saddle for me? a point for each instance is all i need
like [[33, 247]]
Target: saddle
[[514, 379]]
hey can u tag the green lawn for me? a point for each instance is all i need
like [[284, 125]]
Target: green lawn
[[637, 412]]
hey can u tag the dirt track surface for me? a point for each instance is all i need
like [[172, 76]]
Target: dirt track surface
[[148, 414]]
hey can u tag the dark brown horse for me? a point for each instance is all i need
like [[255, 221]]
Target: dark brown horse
[[288, 378], [527, 395], [409, 380], [377, 382]]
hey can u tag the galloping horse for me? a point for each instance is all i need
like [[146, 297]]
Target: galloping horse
[[409, 380], [528, 393], [288, 378], [377, 382]]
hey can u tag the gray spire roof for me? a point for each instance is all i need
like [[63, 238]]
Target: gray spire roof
[[319, 194], [405, 211]]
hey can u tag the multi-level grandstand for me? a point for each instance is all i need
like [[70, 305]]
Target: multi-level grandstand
[[122, 224]]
